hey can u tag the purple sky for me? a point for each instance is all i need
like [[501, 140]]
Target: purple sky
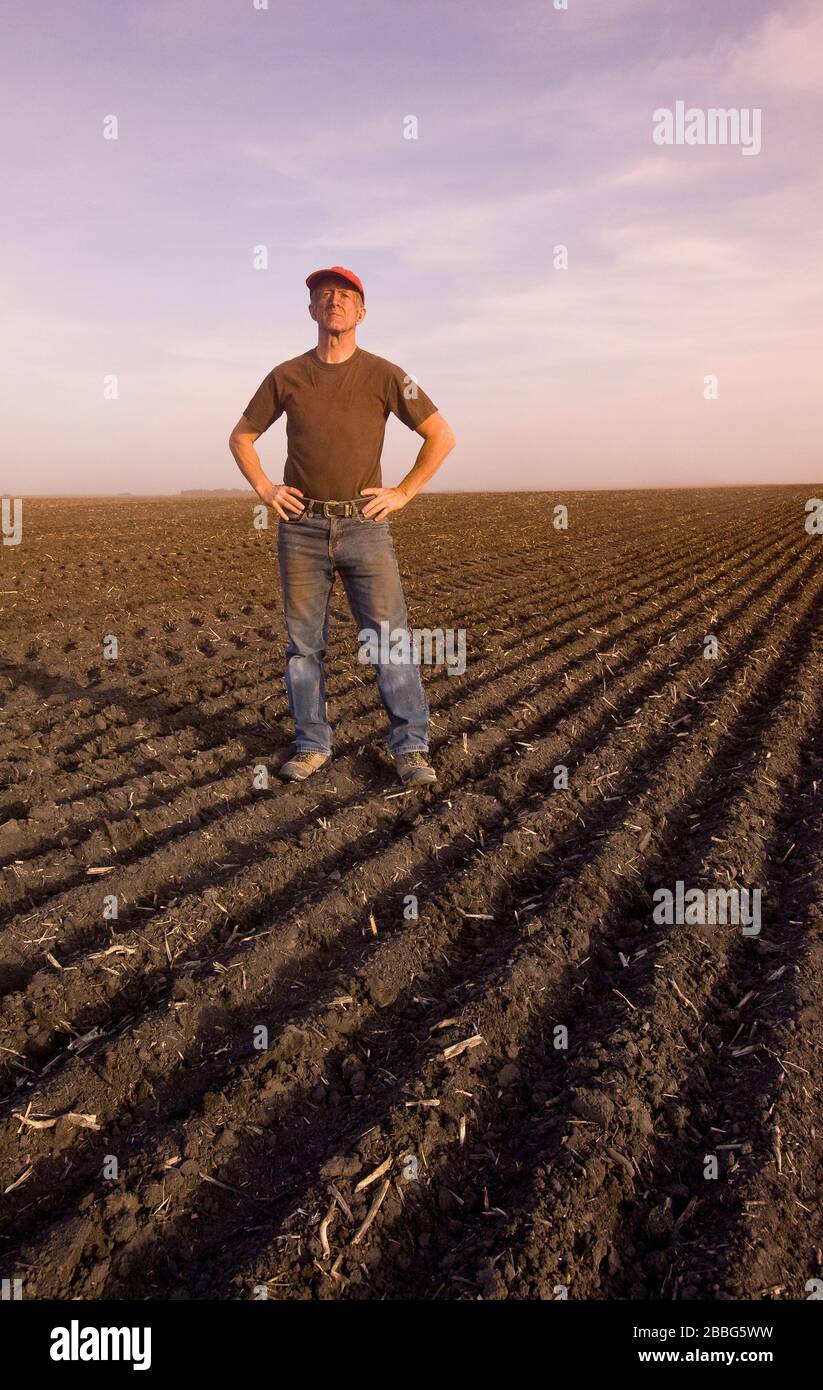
[[284, 127]]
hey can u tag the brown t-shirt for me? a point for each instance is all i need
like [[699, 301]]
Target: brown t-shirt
[[336, 416]]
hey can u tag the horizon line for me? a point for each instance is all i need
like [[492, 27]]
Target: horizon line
[[195, 494]]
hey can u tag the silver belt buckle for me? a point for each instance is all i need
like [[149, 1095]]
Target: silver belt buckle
[[326, 511]]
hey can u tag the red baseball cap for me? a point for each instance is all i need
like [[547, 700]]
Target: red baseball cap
[[337, 270]]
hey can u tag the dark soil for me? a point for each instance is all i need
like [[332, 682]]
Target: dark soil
[[520, 1167]]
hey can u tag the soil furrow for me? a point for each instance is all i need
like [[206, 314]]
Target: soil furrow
[[674, 736]]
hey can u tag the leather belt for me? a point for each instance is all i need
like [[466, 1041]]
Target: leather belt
[[314, 507]]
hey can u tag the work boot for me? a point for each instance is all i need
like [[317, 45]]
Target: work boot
[[413, 768], [303, 764]]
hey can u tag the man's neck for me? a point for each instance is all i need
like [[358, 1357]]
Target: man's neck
[[335, 347]]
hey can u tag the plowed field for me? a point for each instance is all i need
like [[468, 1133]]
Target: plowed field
[[670, 1149]]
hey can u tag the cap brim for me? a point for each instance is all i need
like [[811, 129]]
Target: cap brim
[[318, 275]]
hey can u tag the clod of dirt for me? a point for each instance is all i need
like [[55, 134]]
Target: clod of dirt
[[659, 1222], [290, 1043], [594, 1106], [383, 992], [341, 1167], [123, 1228], [641, 1118]]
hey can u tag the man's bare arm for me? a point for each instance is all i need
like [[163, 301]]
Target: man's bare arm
[[277, 495], [439, 440]]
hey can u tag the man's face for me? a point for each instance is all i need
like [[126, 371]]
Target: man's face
[[335, 305]]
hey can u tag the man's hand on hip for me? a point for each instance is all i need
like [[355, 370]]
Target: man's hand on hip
[[385, 500], [284, 499]]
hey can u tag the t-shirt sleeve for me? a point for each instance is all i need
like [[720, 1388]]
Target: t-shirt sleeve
[[265, 405], [407, 400]]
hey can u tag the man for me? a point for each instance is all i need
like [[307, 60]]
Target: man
[[337, 398]]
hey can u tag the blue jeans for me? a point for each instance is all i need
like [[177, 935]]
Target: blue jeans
[[310, 550]]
